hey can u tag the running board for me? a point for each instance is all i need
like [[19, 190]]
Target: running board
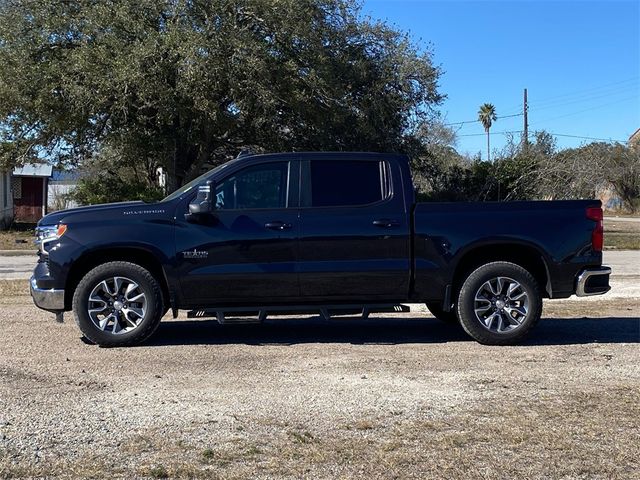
[[237, 315]]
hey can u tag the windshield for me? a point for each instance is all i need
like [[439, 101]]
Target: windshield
[[193, 184]]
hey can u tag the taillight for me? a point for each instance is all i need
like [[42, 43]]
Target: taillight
[[597, 236]]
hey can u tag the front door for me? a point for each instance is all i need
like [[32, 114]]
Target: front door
[[246, 252]]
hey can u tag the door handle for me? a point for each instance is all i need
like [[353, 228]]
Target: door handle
[[386, 223], [277, 225]]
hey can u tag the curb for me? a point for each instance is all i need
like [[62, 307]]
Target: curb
[[17, 253]]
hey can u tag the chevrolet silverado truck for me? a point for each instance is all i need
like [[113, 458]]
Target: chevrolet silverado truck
[[333, 233]]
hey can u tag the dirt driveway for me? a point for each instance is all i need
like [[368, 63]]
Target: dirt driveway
[[408, 398]]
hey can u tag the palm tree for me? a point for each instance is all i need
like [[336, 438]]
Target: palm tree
[[486, 116]]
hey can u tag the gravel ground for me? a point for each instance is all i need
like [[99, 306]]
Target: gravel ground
[[397, 397]]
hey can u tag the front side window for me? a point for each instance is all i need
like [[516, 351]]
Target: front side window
[[259, 186], [346, 182]]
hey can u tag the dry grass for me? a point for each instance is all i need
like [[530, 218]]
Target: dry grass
[[622, 241], [619, 307], [17, 240], [507, 434], [621, 235]]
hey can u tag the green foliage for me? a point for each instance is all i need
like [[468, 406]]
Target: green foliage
[[466, 181], [534, 170], [487, 115], [186, 85], [158, 471], [106, 188]]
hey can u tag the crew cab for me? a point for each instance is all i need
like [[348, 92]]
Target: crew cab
[[332, 233]]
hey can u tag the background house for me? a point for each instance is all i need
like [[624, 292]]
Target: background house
[[634, 139], [60, 185], [6, 200], [30, 184]]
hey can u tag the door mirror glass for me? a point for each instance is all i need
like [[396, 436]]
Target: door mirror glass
[[202, 205]]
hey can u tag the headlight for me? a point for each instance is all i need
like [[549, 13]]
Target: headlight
[[48, 233]]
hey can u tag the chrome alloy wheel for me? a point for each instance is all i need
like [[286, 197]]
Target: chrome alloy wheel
[[117, 305], [501, 304]]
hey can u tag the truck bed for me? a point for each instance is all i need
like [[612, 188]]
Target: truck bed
[[446, 235]]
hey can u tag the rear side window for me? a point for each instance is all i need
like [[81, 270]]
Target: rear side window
[[347, 182], [259, 186]]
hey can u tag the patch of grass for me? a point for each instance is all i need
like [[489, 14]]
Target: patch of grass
[[208, 454], [621, 241], [622, 307], [137, 444], [363, 425], [227, 456], [253, 450], [621, 235], [17, 240], [159, 471], [301, 437]]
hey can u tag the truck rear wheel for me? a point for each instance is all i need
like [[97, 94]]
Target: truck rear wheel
[[499, 303], [118, 304], [436, 310]]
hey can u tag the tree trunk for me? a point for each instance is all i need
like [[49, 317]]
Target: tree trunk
[[488, 150]]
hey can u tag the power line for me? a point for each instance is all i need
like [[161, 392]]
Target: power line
[[606, 86], [588, 98], [476, 120], [587, 109], [550, 133], [613, 88], [587, 138], [490, 133], [533, 107]]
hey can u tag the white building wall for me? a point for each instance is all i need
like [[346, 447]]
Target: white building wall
[[57, 195]]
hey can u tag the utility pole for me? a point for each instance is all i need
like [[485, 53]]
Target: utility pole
[[526, 122]]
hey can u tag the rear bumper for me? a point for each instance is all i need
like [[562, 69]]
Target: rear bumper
[[49, 299], [593, 281]]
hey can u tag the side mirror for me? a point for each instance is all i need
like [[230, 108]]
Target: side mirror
[[202, 205]]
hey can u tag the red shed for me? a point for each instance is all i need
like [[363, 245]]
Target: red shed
[[30, 184]]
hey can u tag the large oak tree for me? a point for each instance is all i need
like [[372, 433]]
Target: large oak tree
[[187, 83]]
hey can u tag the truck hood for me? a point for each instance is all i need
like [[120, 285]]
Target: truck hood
[[106, 209]]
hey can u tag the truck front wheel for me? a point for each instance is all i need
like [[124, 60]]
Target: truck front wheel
[[499, 303], [118, 304]]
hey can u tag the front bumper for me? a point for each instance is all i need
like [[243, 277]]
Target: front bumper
[[50, 299], [593, 281]]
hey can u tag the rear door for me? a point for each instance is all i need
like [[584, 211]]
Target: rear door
[[354, 230], [247, 252]]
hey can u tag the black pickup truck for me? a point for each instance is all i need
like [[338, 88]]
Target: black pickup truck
[[334, 233]]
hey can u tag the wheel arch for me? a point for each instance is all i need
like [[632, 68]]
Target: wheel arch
[[89, 260], [527, 256]]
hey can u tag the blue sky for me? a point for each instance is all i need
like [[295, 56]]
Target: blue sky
[[579, 60]]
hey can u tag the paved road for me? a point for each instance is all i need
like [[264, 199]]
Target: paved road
[[17, 268], [623, 219]]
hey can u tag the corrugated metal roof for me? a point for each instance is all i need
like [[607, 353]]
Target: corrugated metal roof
[[65, 175], [33, 170]]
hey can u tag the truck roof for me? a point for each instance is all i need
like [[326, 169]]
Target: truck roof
[[323, 154]]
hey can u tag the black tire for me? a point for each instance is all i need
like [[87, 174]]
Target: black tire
[[144, 325], [436, 310], [514, 329]]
